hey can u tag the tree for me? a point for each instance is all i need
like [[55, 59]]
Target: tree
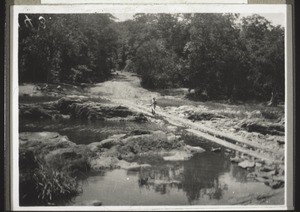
[[68, 46], [265, 45], [212, 57]]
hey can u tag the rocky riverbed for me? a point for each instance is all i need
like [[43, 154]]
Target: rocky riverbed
[[61, 155], [90, 147]]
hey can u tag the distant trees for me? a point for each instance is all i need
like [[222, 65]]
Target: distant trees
[[212, 60], [221, 56], [265, 45], [70, 48]]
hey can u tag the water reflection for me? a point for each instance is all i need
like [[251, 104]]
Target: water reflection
[[207, 178], [197, 177]]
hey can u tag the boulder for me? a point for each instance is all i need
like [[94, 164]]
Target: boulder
[[184, 153], [275, 184], [177, 156], [280, 141], [90, 203], [80, 108], [132, 166], [257, 164], [72, 160], [138, 132], [279, 178], [56, 151], [106, 143], [263, 180], [266, 175], [101, 163], [171, 138], [172, 128], [267, 168], [263, 127], [194, 149], [228, 150], [30, 111], [255, 114], [215, 149], [199, 116], [64, 103], [139, 143], [94, 110], [236, 159], [96, 203], [41, 143], [246, 164]]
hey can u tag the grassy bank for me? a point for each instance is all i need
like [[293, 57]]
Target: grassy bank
[[41, 184]]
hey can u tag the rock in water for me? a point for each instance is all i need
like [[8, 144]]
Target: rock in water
[[196, 149], [246, 164], [91, 203], [267, 168], [235, 160], [279, 178], [96, 203], [257, 164], [216, 149], [280, 142], [275, 184], [172, 128], [132, 166], [228, 150]]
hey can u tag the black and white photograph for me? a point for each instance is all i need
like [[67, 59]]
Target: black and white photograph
[[150, 108]]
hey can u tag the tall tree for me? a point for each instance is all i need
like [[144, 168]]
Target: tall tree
[[265, 47]]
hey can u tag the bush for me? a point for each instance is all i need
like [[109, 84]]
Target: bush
[[156, 65], [43, 185], [52, 186], [80, 74]]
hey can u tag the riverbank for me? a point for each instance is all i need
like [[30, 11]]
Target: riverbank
[[161, 136]]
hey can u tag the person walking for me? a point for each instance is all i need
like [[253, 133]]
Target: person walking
[[153, 105]]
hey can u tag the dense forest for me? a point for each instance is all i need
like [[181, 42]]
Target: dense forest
[[217, 56]]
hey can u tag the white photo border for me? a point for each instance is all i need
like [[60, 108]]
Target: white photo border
[[157, 8]]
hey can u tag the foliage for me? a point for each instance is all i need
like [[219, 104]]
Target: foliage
[[43, 185], [80, 74], [155, 64], [51, 185], [71, 48], [220, 56]]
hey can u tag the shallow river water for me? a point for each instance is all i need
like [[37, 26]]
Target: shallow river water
[[207, 178]]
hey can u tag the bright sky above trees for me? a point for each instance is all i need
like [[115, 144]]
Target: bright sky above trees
[[275, 19]]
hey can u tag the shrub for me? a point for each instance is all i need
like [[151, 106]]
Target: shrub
[[51, 186], [81, 74], [43, 185]]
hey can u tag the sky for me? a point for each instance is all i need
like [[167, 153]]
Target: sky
[[275, 19]]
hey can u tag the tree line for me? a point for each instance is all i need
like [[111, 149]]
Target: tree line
[[218, 56], [71, 48]]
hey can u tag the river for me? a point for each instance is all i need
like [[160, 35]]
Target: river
[[207, 178]]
